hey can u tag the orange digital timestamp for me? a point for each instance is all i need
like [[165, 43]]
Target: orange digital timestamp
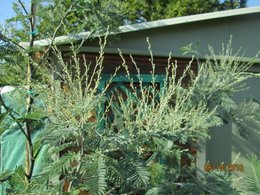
[[224, 167]]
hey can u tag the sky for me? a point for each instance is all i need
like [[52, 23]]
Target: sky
[[7, 12]]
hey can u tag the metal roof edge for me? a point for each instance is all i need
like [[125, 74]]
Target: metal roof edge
[[58, 40], [189, 19]]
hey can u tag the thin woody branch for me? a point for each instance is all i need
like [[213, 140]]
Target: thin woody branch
[[24, 9], [5, 38], [55, 34], [29, 162]]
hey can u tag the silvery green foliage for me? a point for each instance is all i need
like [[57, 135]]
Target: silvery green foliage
[[109, 144], [252, 175], [140, 141]]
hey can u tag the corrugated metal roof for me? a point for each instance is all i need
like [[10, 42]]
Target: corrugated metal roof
[[154, 24]]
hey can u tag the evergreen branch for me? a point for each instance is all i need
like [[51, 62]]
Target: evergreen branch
[[253, 179], [6, 39]]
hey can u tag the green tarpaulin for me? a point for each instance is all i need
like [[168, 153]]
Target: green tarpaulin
[[12, 153]]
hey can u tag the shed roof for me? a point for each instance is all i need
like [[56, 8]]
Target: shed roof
[[154, 24], [189, 19]]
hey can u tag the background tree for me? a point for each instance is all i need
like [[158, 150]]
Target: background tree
[[150, 10], [232, 4]]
